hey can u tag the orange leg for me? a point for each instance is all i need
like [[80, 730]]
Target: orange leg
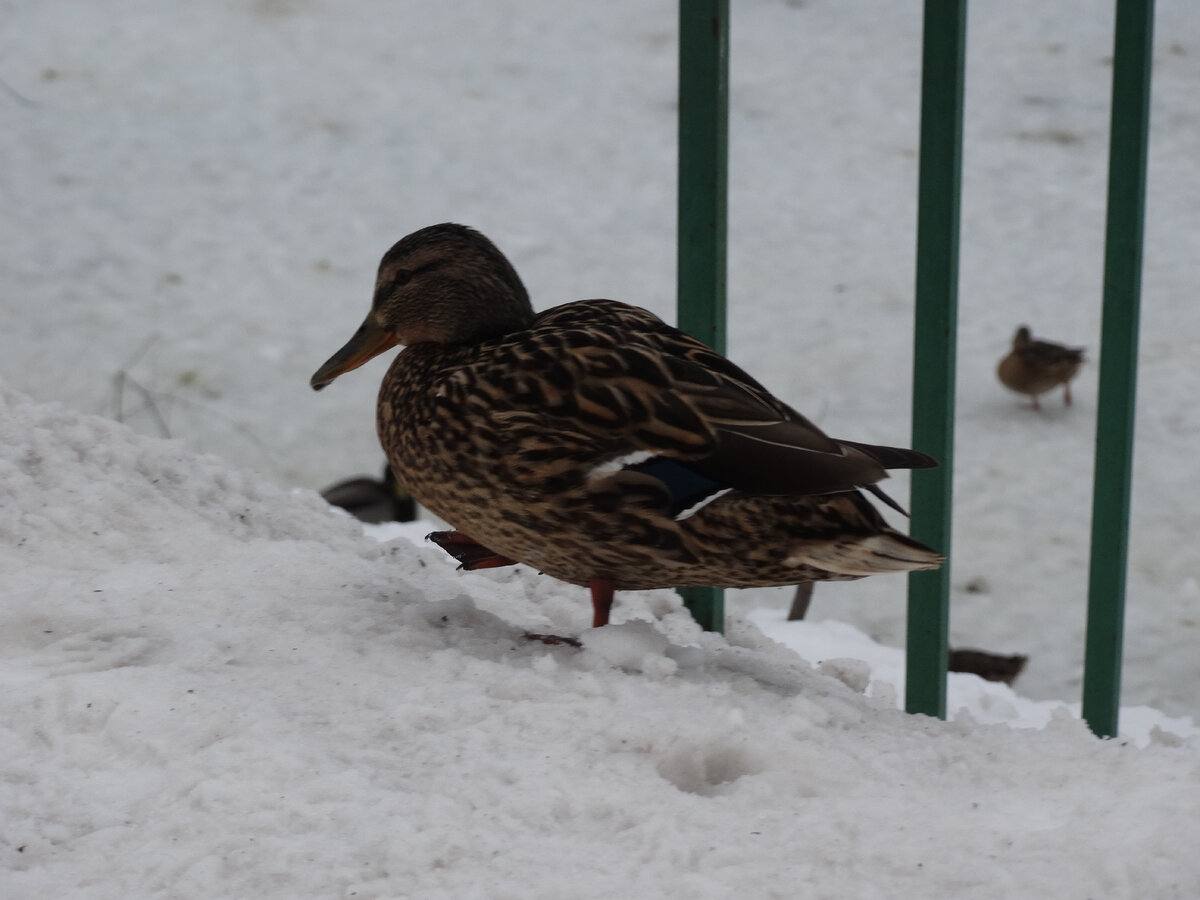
[[470, 553], [602, 600]]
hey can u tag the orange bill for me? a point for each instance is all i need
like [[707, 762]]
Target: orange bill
[[369, 341]]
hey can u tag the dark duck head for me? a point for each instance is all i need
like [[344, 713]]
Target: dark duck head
[[446, 284]]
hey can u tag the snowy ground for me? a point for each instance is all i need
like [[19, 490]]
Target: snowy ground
[[195, 200], [216, 688]]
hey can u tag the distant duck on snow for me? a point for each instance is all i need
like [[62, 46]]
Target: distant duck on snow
[[1034, 367]]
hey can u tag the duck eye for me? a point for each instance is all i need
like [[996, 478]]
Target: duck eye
[[401, 278]]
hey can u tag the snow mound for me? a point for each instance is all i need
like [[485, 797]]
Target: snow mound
[[213, 687]]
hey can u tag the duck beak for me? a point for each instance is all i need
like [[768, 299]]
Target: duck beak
[[369, 341]]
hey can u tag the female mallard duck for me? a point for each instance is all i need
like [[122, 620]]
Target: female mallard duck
[[601, 446], [1034, 367]]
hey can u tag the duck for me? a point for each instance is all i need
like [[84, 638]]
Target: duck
[[988, 666], [1034, 367], [373, 500], [601, 446]]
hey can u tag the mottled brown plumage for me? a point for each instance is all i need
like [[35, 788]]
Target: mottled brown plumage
[[599, 445], [1034, 367]]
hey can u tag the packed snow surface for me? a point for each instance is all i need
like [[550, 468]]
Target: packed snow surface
[[215, 687]]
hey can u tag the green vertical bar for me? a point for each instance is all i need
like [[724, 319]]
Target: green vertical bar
[[934, 335], [1132, 59], [703, 162]]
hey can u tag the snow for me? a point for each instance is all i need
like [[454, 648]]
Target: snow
[[213, 686]]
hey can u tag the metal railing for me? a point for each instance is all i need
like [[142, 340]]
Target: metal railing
[[935, 333], [1132, 62], [703, 158], [703, 118]]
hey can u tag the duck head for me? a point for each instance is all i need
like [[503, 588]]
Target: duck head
[[445, 284]]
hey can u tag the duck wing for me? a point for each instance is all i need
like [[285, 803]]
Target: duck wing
[[1048, 353], [657, 401]]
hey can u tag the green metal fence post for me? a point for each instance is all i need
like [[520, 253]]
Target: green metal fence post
[[1132, 60], [703, 156], [934, 336]]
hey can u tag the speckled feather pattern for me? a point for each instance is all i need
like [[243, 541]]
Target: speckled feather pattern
[[503, 439], [601, 446]]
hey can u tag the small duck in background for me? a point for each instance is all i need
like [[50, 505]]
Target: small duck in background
[[988, 666], [599, 445], [373, 500], [1034, 367]]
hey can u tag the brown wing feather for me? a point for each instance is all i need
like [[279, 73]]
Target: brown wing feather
[[653, 388]]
